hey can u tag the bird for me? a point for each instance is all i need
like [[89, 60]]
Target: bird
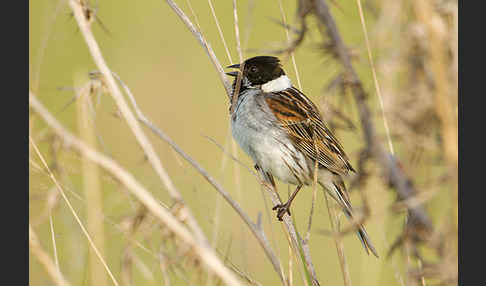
[[283, 132]]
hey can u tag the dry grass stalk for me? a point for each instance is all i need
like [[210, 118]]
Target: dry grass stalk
[[237, 32], [287, 34], [388, 163], [445, 111], [419, 226], [244, 275], [132, 122], [42, 50], [339, 244], [234, 148], [217, 213], [256, 229], [275, 199], [207, 48], [45, 260], [220, 31], [91, 182], [375, 78], [290, 278], [412, 201], [53, 238], [78, 220], [199, 248], [296, 240]]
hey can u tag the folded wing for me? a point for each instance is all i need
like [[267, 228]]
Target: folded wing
[[301, 118]]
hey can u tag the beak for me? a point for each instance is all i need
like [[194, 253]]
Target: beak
[[235, 73], [236, 66]]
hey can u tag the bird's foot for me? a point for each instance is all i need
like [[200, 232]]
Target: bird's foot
[[281, 210]]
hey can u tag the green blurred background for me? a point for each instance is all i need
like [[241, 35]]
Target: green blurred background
[[177, 87]]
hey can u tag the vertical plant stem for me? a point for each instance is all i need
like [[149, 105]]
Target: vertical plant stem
[[295, 238], [389, 163], [131, 119], [91, 183], [375, 78], [237, 32], [78, 220], [210, 2], [54, 244], [256, 229], [45, 260], [437, 53], [234, 147], [217, 209], [292, 54], [339, 245], [200, 248], [291, 278]]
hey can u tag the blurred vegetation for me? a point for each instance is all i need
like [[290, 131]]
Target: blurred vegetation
[[177, 87]]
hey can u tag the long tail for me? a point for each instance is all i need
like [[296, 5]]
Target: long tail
[[338, 191], [365, 240]]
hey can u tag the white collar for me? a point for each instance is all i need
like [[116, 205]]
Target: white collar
[[278, 84]]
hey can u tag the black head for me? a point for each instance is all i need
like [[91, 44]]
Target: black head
[[260, 70]]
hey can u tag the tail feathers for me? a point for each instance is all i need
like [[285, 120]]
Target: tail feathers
[[365, 240], [338, 191], [363, 237]]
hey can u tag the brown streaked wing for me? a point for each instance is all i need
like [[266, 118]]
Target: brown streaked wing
[[303, 122]]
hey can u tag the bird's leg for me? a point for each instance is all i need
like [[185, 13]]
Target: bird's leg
[[285, 208], [267, 180]]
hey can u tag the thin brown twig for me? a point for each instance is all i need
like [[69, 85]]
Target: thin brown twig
[[387, 161], [236, 91], [443, 106]]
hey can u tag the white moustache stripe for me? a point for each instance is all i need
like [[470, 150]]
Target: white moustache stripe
[[278, 84]]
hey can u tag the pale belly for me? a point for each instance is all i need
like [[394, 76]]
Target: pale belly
[[282, 161], [273, 153], [259, 135]]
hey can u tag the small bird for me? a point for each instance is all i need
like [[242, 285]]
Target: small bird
[[284, 133]]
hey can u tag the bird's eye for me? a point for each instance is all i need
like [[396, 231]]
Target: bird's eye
[[253, 69]]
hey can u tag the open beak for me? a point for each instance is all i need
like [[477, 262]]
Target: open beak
[[235, 73]]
